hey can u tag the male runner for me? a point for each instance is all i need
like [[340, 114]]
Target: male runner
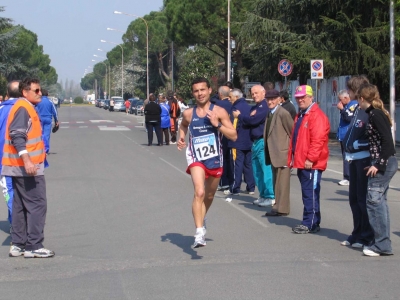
[[206, 123]]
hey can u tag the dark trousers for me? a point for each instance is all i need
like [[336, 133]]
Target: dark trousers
[[358, 189], [157, 129], [29, 212], [242, 166], [111, 108], [346, 171], [174, 128], [227, 175], [165, 131], [310, 181]]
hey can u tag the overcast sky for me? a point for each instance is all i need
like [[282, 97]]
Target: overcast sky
[[70, 31]]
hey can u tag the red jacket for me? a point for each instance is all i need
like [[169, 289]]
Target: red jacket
[[312, 140]]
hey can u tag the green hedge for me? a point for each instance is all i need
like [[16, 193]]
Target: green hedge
[[78, 100]]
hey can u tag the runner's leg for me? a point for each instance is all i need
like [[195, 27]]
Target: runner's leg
[[198, 206]]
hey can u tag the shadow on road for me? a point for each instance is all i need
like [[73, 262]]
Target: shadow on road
[[5, 226], [396, 233], [182, 241]]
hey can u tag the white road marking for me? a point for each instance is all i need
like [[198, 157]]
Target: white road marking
[[83, 127], [79, 122], [121, 128], [101, 121], [64, 127], [64, 122]]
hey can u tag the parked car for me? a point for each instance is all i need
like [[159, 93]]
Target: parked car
[[133, 105], [101, 103], [138, 108], [106, 104], [119, 105]]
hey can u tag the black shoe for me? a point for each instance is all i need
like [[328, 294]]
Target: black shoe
[[315, 229], [273, 213]]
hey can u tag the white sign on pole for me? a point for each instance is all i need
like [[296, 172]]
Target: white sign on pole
[[317, 69]]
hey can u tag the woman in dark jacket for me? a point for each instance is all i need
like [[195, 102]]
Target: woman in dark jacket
[[152, 115], [383, 167]]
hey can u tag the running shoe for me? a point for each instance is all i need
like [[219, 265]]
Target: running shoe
[[199, 240], [344, 182], [16, 251], [267, 202], [228, 192], [258, 201], [39, 253]]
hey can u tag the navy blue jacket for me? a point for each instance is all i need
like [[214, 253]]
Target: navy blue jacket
[[346, 115], [256, 123], [225, 104], [243, 141]]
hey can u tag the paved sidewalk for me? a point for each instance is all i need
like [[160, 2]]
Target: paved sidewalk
[[334, 149]]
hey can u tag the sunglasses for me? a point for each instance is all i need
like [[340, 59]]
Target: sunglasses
[[37, 91]]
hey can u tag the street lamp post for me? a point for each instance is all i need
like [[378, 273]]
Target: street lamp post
[[147, 44], [228, 63], [122, 64], [109, 74], [106, 70]]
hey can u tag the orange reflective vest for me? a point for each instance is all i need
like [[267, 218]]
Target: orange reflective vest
[[34, 143]]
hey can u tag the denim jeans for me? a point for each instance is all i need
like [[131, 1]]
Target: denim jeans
[[378, 211]]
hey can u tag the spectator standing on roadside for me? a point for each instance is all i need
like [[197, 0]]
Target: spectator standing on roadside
[[268, 86], [12, 96], [277, 132], [111, 108], [256, 122], [174, 115], [357, 153], [165, 119], [383, 167], [227, 175], [240, 156], [47, 112], [346, 108], [127, 105], [287, 104], [308, 152], [152, 115], [23, 159]]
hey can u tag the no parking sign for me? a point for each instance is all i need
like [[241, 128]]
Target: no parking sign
[[285, 67], [317, 69]]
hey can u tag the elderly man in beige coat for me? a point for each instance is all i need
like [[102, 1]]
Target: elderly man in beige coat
[[277, 132]]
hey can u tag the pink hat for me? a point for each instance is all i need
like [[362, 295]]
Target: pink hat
[[303, 90]]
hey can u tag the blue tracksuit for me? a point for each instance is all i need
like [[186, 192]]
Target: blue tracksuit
[[262, 172], [242, 148], [46, 112], [6, 181]]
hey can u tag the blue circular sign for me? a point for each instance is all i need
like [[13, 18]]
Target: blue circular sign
[[285, 67]]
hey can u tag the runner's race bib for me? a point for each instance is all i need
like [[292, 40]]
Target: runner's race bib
[[205, 147]]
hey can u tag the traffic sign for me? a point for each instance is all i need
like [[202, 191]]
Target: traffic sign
[[285, 67], [317, 69]]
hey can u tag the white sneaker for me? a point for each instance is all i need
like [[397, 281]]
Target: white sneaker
[[369, 252], [39, 253], [250, 193], [344, 182], [258, 201], [345, 243], [16, 251], [199, 240], [267, 202]]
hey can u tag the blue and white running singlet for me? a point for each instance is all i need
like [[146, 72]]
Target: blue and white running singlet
[[204, 142]]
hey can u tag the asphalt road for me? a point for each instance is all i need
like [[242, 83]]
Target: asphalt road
[[119, 219]]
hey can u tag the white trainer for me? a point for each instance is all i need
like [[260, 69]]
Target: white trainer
[[357, 245], [39, 253], [16, 251], [345, 243], [258, 201], [267, 202], [199, 240], [369, 252], [344, 182]]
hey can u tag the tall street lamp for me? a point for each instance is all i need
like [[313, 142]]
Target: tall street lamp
[[109, 74], [106, 70], [109, 71], [122, 64], [147, 44]]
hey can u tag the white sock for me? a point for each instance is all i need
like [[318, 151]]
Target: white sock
[[199, 230]]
